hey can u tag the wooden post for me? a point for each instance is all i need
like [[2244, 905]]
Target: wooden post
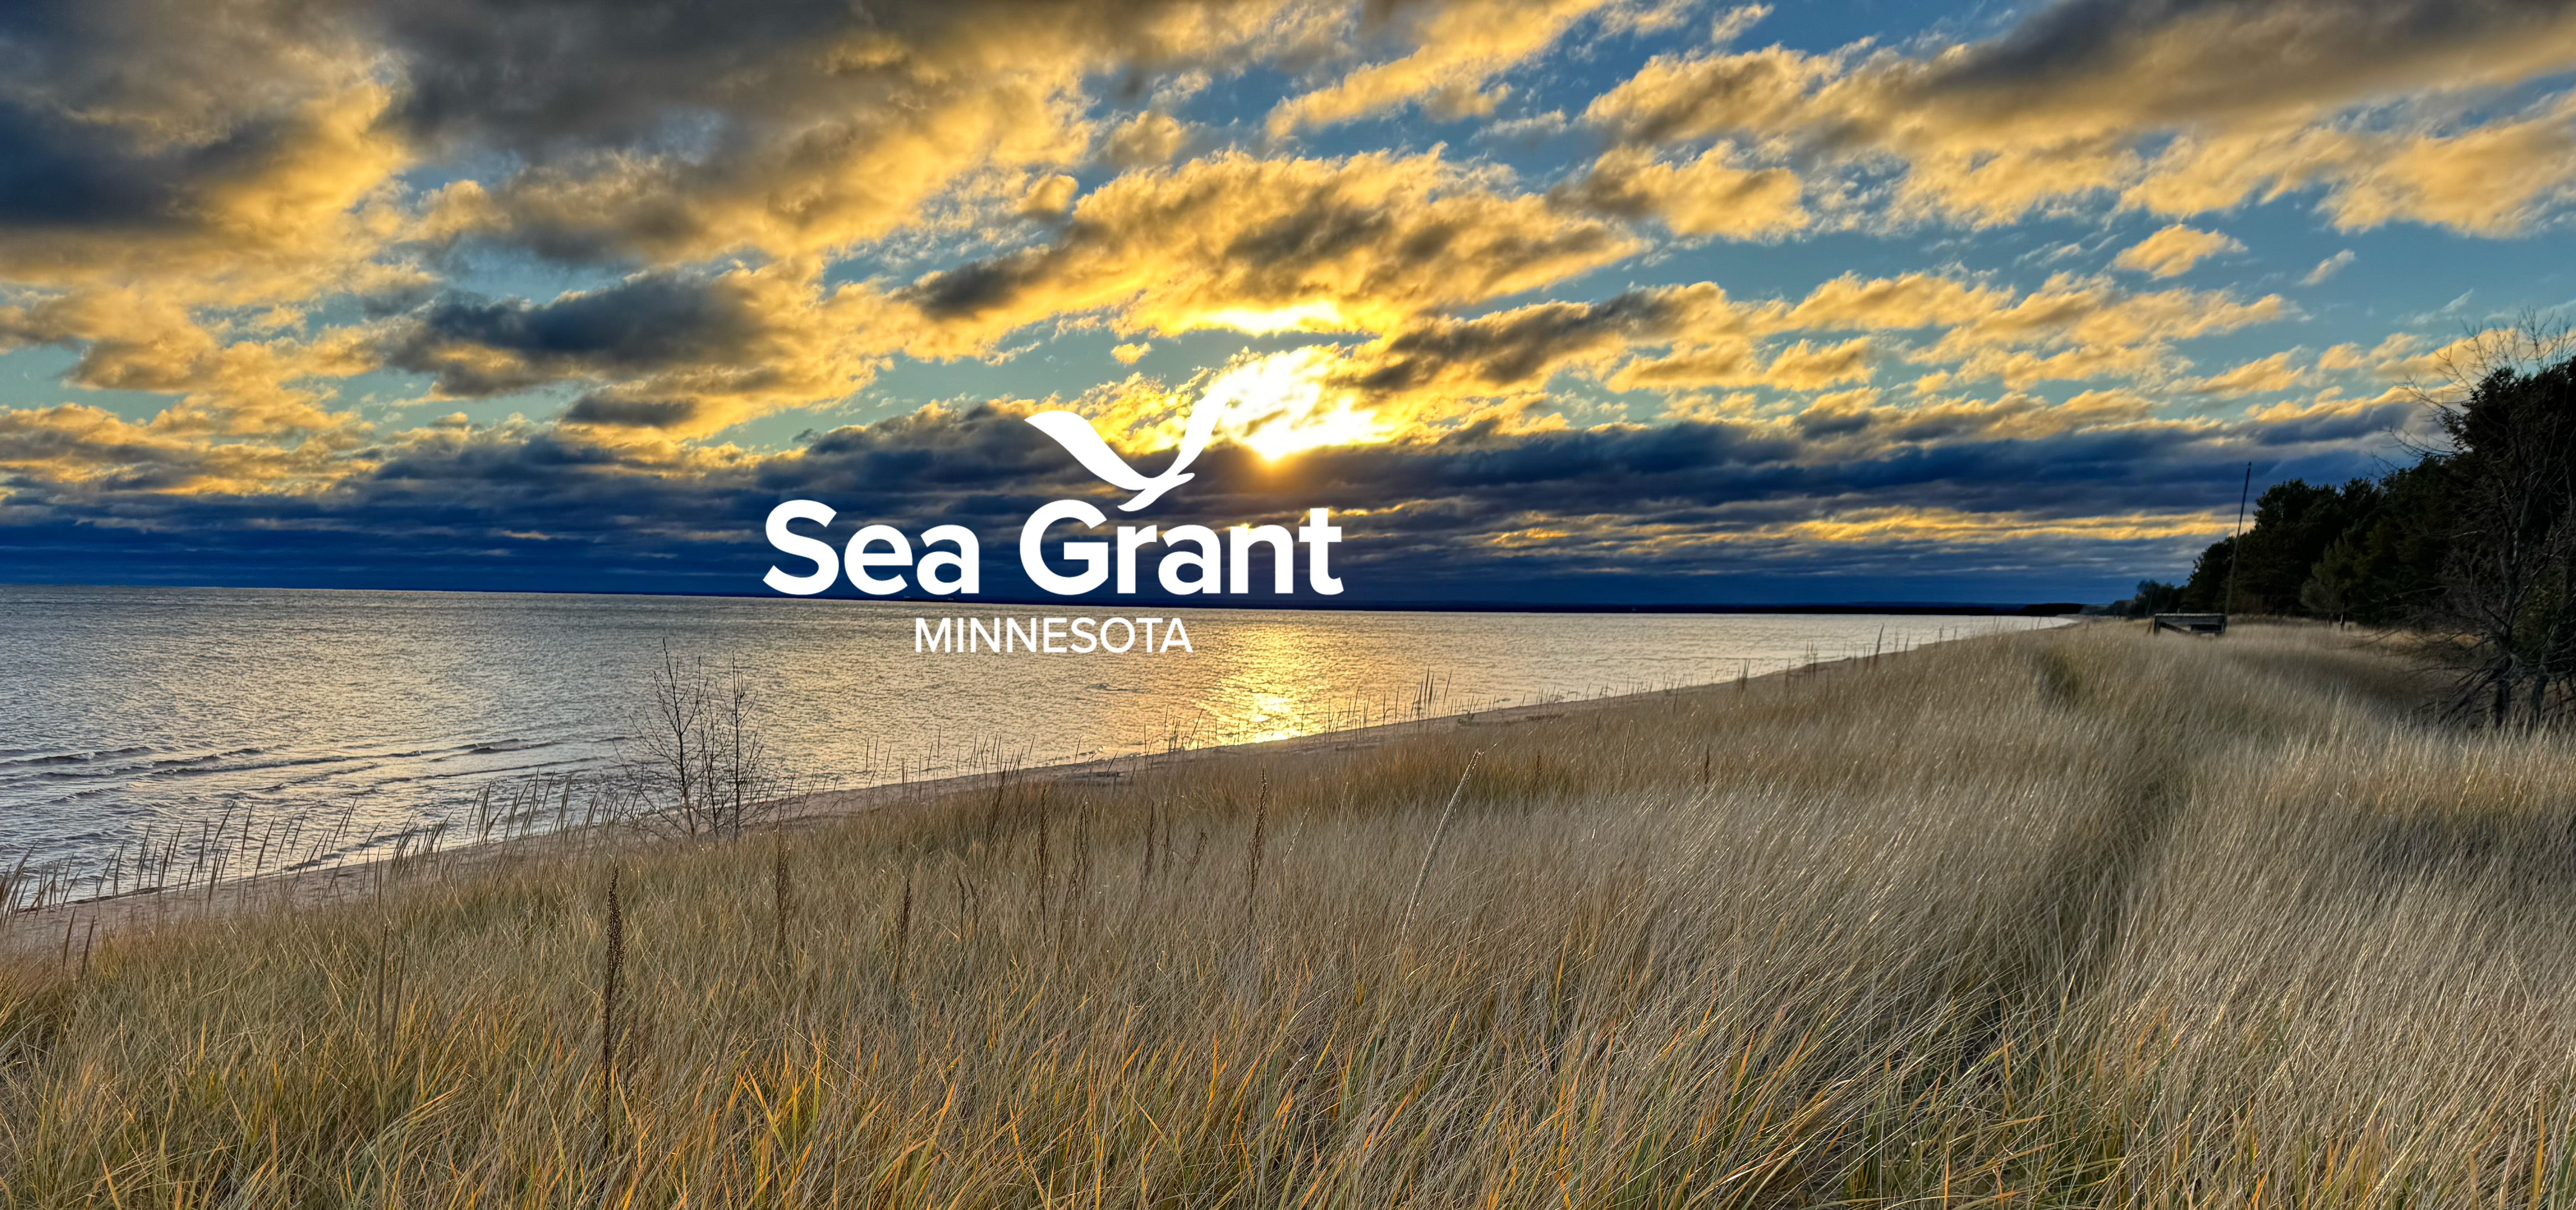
[[2236, 546]]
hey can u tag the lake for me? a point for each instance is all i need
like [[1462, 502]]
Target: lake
[[127, 712]]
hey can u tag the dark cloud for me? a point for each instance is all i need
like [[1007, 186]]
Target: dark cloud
[[548, 80], [976, 287], [659, 131], [2244, 56], [2333, 424], [646, 323], [612, 412], [676, 129], [686, 353], [115, 118], [1658, 514], [53, 174], [571, 77], [1519, 346]]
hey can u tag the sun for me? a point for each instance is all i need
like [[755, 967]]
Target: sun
[[1343, 425], [1281, 404], [1316, 316]]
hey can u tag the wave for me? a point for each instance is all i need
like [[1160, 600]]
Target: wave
[[29, 757]]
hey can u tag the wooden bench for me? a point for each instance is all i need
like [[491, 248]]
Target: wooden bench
[[2189, 623]]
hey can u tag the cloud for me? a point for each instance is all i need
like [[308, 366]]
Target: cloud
[[1862, 418], [2397, 358], [678, 352], [138, 339], [1733, 407], [2074, 328], [1801, 366], [1520, 348], [1709, 195], [2177, 107], [2328, 267], [2115, 63], [792, 128], [1684, 97], [1694, 337], [1457, 49], [475, 346], [1048, 196], [2401, 357], [2173, 251], [1235, 241], [77, 453], [2262, 375], [2330, 418], [225, 155], [1911, 300], [1806, 367], [1147, 139], [163, 163], [1851, 482], [2492, 180], [159, 159]]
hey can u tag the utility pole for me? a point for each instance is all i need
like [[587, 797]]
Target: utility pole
[[2236, 545]]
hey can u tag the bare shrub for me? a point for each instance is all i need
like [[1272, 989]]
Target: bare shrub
[[2508, 460], [700, 764]]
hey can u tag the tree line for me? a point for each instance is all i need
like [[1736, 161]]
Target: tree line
[[2472, 544]]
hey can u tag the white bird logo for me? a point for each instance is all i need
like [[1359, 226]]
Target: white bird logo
[[1078, 438]]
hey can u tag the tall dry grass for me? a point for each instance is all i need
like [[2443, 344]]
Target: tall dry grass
[[2074, 918]]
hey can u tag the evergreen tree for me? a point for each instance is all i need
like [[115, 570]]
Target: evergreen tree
[[2295, 523]]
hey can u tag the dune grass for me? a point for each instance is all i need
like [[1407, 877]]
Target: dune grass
[[2070, 918]]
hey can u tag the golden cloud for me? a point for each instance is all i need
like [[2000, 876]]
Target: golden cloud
[[1260, 245], [1692, 338], [72, 446], [2177, 110], [1458, 48], [2173, 251], [2096, 329], [2264, 374], [1899, 523], [1802, 366], [1912, 300], [1147, 139], [138, 339], [1808, 367], [1710, 195], [2493, 180]]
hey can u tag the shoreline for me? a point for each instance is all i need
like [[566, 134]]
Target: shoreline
[[61, 926]]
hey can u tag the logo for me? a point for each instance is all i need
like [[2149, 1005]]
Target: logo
[[1079, 439], [1193, 561]]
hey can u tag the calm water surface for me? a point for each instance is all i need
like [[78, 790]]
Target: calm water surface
[[126, 712]]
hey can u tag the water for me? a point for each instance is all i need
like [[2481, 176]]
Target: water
[[134, 711]]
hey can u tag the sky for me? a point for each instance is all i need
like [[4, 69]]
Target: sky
[[1550, 301]]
